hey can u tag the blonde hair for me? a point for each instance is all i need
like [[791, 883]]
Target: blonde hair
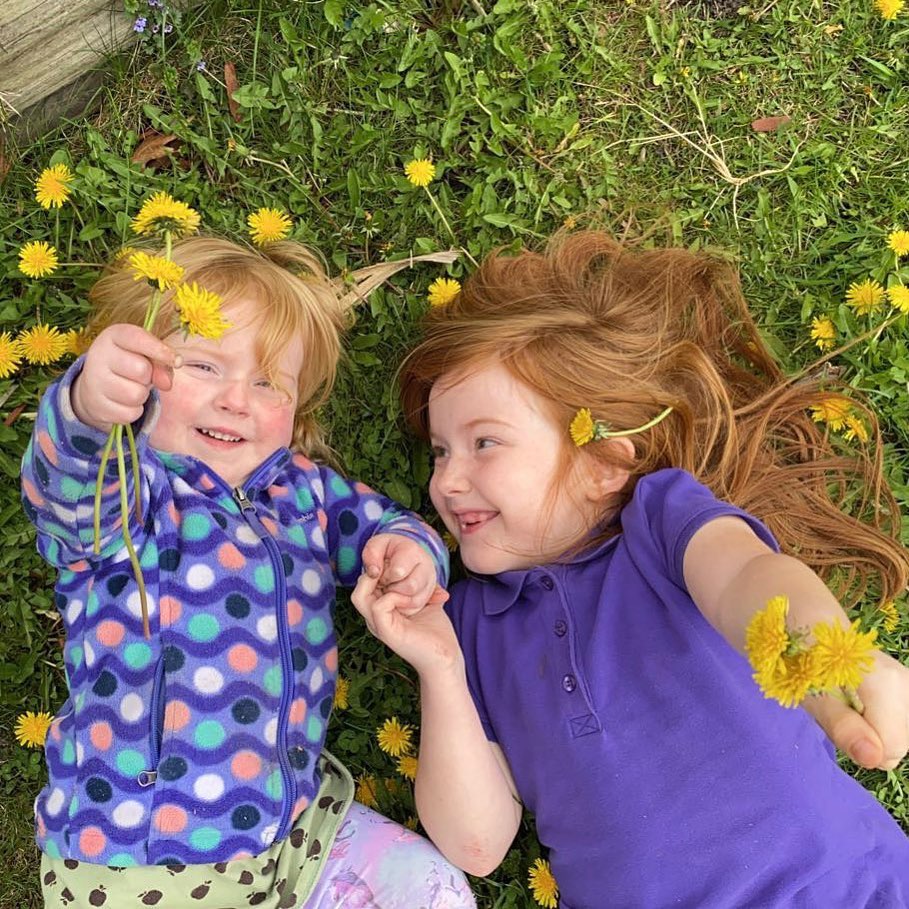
[[591, 323], [295, 298]]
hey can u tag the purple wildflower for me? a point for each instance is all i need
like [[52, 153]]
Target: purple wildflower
[[168, 28], [200, 66], [139, 24]]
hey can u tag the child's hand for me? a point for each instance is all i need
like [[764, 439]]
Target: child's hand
[[122, 365], [400, 565], [880, 737], [424, 637]]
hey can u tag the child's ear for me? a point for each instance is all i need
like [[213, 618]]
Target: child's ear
[[606, 478]]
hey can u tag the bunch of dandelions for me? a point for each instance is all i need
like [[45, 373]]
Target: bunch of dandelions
[[789, 665], [199, 313]]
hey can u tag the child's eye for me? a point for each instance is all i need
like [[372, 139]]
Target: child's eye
[[437, 451], [485, 443], [204, 367]]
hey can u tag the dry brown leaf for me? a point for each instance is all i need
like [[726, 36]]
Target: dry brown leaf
[[153, 147], [13, 415], [366, 280], [5, 162], [231, 83], [768, 124]]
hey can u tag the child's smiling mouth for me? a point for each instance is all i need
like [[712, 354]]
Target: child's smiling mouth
[[471, 521], [219, 437]]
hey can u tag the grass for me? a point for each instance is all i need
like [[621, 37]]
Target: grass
[[630, 116]]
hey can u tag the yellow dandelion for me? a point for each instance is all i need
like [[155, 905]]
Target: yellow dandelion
[[31, 729], [766, 637], [366, 791], [543, 885], [268, 225], [823, 333], [156, 270], [855, 429], [37, 259], [889, 9], [77, 341], [394, 738], [10, 355], [52, 186], [898, 241], [582, 428], [162, 212], [842, 655], [791, 680], [833, 411], [570, 223], [393, 786], [420, 171], [449, 540], [42, 344], [898, 295], [123, 255], [200, 311], [407, 766], [865, 297], [411, 823], [443, 290], [342, 690], [891, 616]]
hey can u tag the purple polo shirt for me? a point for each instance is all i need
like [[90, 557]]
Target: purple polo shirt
[[658, 774]]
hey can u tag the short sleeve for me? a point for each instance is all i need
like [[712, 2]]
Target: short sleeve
[[667, 509]]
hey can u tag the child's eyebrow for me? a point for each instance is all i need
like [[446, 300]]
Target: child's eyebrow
[[485, 421]]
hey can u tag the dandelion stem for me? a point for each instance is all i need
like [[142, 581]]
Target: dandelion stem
[[151, 314], [134, 462], [435, 204], [852, 699], [99, 484], [127, 539]]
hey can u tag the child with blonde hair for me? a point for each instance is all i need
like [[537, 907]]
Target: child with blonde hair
[[630, 478], [189, 768]]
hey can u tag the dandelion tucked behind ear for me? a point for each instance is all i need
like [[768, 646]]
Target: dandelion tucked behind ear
[[42, 344], [200, 311], [898, 241], [268, 225], [898, 295], [156, 270], [52, 186], [10, 355], [442, 291], [31, 729], [864, 297], [420, 171], [823, 333], [582, 428], [889, 9], [833, 411], [543, 885], [393, 738], [162, 213], [842, 655], [37, 259]]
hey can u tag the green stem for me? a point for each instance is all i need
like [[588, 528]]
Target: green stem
[[127, 539], [151, 314], [435, 204], [134, 461], [618, 433], [99, 485], [852, 699]]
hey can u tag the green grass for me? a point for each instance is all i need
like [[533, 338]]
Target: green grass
[[534, 112]]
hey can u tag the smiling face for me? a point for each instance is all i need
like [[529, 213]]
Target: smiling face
[[497, 457], [222, 409]]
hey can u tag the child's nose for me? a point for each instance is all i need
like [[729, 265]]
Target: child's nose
[[452, 478], [234, 396]]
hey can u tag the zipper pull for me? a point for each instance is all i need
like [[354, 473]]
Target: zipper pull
[[243, 500], [147, 778]]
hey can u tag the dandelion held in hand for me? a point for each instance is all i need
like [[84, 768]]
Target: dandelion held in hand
[[52, 186], [200, 311], [157, 270], [268, 225], [163, 214], [37, 259]]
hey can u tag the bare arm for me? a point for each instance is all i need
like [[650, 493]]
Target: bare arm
[[730, 575]]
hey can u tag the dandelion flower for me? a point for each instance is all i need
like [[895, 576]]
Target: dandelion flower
[[842, 655], [570, 223], [31, 729], [766, 637], [161, 212], [898, 295], [543, 885], [37, 259], [366, 791], [833, 411], [268, 224], [407, 766], [10, 355], [865, 297], [823, 333], [855, 429], [52, 186], [411, 823], [582, 428], [77, 341], [451, 544], [442, 291], [200, 311], [342, 689], [792, 679], [891, 616], [394, 739], [42, 344], [420, 171], [889, 9], [898, 241], [156, 270]]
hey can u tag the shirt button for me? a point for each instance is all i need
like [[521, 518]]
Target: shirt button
[[560, 627], [569, 682], [547, 582]]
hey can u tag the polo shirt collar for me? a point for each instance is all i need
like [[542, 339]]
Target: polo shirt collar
[[501, 591]]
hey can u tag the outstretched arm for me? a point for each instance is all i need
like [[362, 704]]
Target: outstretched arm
[[730, 575], [464, 790]]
